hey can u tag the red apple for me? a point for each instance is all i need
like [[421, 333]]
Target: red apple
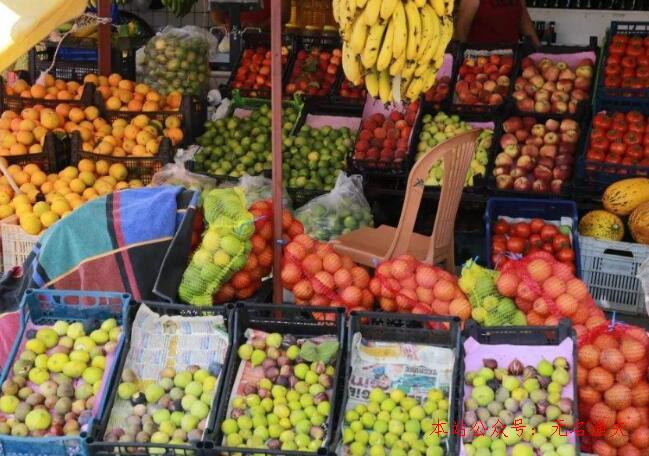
[[538, 130], [567, 74], [548, 150], [525, 105], [502, 81], [522, 184], [489, 86], [542, 95], [579, 95], [562, 172], [529, 89], [537, 80], [495, 99], [540, 186], [522, 135], [572, 106], [502, 159], [564, 85], [527, 62], [556, 186], [517, 172], [512, 124], [528, 122], [511, 150], [552, 124], [561, 65], [564, 159], [504, 182], [582, 83], [534, 141], [525, 162], [529, 72], [569, 136], [498, 170], [542, 106], [568, 124], [585, 71], [529, 150], [559, 107], [550, 138], [543, 173], [549, 86], [545, 161], [559, 96], [520, 82], [519, 95], [507, 139], [566, 149], [551, 73]]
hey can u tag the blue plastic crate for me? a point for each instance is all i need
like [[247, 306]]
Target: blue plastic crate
[[635, 28], [531, 208], [601, 175], [43, 307]]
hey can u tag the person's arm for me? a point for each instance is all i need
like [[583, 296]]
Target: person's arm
[[527, 26], [465, 14]]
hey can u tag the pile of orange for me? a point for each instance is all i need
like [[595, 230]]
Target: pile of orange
[[51, 89], [123, 95]]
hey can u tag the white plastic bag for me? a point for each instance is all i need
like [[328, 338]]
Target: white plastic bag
[[257, 188], [340, 211], [177, 59], [176, 174], [643, 275]]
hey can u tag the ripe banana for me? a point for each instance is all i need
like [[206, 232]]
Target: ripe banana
[[397, 65], [414, 29], [446, 33], [351, 8], [351, 65], [400, 30], [420, 3], [450, 5], [385, 55], [387, 8], [360, 3], [371, 12], [429, 30], [408, 70], [345, 20], [438, 6], [414, 89], [385, 87], [358, 35], [429, 80], [335, 9], [422, 69], [372, 82], [372, 45]]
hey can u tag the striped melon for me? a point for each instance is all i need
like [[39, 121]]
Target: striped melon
[[602, 225], [623, 196], [639, 223]]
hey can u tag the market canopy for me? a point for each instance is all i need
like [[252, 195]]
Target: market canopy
[[23, 23]]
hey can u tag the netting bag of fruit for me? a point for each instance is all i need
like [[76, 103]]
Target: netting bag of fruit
[[176, 174], [488, 306], [546, 290], [177, 60], [613, 389], [224, 248], [257, 188], [318, 276], [340, 211], [406, 285]]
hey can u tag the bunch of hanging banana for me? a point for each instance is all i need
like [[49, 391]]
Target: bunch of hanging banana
[[396, 45]]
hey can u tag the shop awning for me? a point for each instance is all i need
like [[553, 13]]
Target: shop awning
[[23, 23]]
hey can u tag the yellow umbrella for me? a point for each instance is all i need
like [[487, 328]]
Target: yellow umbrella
[[24, 23]]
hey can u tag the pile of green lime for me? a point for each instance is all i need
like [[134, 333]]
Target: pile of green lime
[[324, 222], [234, 146], [312, 158], [224, 248]]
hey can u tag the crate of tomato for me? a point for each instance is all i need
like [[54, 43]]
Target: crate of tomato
[[482, 80], [316, 66], [251, 72], [536, 155], [556, 79], [617, 144], [517, 226], [624, 69]]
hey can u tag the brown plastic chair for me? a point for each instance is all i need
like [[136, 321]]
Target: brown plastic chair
[[370, 246]]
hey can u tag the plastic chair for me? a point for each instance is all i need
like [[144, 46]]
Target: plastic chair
[[370, 246]]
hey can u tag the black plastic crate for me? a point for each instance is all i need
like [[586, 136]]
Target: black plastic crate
[[453, 53], [251, 39], [96, 445], [142, 168], [406, 328], [55, 155], [526, 49], [640, 29], [282, 319], [566, 189], [596, 176], [476, 50], [16, 103], [192, 114], [520, 336]]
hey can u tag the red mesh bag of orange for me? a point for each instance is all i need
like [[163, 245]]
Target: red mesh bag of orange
[[613, 389], [243, 284], [318, 276], [547, 290], [406, 285]]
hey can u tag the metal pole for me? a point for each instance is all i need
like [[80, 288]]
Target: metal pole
[[276, 106], [103, 38]]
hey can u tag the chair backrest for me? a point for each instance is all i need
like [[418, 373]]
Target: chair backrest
[[456, 154]]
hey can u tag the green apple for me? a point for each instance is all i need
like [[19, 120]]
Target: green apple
[[48, 336], [56, 362]]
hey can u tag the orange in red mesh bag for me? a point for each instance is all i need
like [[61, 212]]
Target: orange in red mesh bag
[[407, 285], [318, 276], [243, 284], [613, 389], [547, 290]]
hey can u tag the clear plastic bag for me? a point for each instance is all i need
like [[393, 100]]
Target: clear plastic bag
[[177, 174], [340, 211], [258, 188], [177, 59]]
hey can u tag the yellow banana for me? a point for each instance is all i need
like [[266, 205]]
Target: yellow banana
[[446, 33], [385, 87], [387, 8], [398, 64], [414, 89], [351, 8], [371, 12], [385, 55], [450, 5], [372, 45], [429, 80], [358, 35], [335, 9], [344, 18], [438, 7], [429, 21], [422, 69], [414, 29], [400, 30], [360, 4], [420, 3], [408, 70], [351, 65], [372, 83], [438, 63]]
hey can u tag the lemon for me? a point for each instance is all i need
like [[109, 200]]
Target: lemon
[[77, 185], [70, 172], [6, 211], [31, 224], [49, 218], [60, 206], [87, 178], [22, 209], [20, 199], [40, 208], [4, 198]]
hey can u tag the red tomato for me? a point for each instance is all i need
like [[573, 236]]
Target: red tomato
[[560, 241], [548, 248], [535, 240], [635, 151], [629, 161], [515, 244], [602, 121], [536, 225], [646, 151], [548, 233], [617, 147], [522, 230], [499, 238], [631, 138], [594, 155], [612, 135], [637, 127], [597, 133], [616, 48], [599, 144], [565, 255], [613, 158], [634, 116], [501, 227], [620, 124]]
